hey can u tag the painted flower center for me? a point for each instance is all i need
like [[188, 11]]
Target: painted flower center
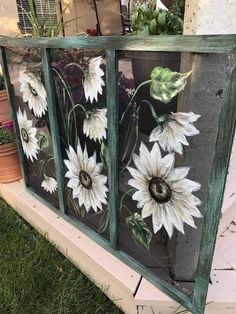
[[159, 190], [24, 135], [85, 179], [33, 91]]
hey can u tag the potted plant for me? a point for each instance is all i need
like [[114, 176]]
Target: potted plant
[[148, 20], [9, 162], [4, 105]]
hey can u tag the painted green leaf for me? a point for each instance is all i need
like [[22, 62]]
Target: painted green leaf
[[43, 140], [140, 231], [166, 84]]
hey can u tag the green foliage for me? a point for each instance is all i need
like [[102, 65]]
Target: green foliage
[[43, 140], [177, 8], [166, 84], [36, 278], [6, 135], [49, 27], [139, 229], [147, 21], [149, 3]]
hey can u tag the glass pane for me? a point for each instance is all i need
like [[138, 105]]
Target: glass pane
[[26, 75], [79, 77], [168, 126]]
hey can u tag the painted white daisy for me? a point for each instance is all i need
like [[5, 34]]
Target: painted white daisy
[[93, 81], [172, 130], [49, 184], [33, 92], [163, 191], [28, 135], [95, 124], [85, 179]]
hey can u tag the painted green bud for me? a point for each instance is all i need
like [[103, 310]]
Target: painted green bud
[[166, 84]]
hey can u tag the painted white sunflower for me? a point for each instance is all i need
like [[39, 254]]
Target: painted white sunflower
[[95, 124], [163, 191], [93, 81], [85, 179], [172, 130], [34, 92], [28, 135], [49, 184]]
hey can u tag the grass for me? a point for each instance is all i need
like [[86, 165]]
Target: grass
[[36, 279]]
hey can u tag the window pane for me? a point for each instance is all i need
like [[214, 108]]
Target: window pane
[[167, 136], [26, 75], [79, 77]]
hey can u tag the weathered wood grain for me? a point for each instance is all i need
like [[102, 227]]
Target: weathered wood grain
[[112, 114], [186, 43], [52, 113], [222, 154]]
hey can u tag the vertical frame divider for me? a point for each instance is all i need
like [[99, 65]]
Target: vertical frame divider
[[52, 113], [11, 98], [225, 137], [113, 133]]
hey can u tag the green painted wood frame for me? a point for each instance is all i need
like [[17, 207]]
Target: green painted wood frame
[[197, 44]]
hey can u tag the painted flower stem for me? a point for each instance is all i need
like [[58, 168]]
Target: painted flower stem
[[74, 64], [151, 108], [134, 94], [72, 111], [45, 164], [123, 197], [66, 87]]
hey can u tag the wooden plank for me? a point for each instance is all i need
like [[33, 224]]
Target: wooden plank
[[52, 113], [184, 43], [113, 135], [199, 98], [216, 188], [11, 98]]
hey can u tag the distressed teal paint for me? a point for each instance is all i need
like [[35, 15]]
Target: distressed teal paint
[[186, 43], [113, 134], [11, 98], [197, 44], [223, 146], [52, 113]]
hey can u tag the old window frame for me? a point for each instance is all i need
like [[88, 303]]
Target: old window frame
[[194, 44]]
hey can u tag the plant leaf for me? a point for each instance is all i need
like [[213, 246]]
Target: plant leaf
[[166, 84], [139, 229], [153, 26], [43, 140]]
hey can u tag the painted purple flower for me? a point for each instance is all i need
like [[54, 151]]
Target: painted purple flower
[[9, 125]]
